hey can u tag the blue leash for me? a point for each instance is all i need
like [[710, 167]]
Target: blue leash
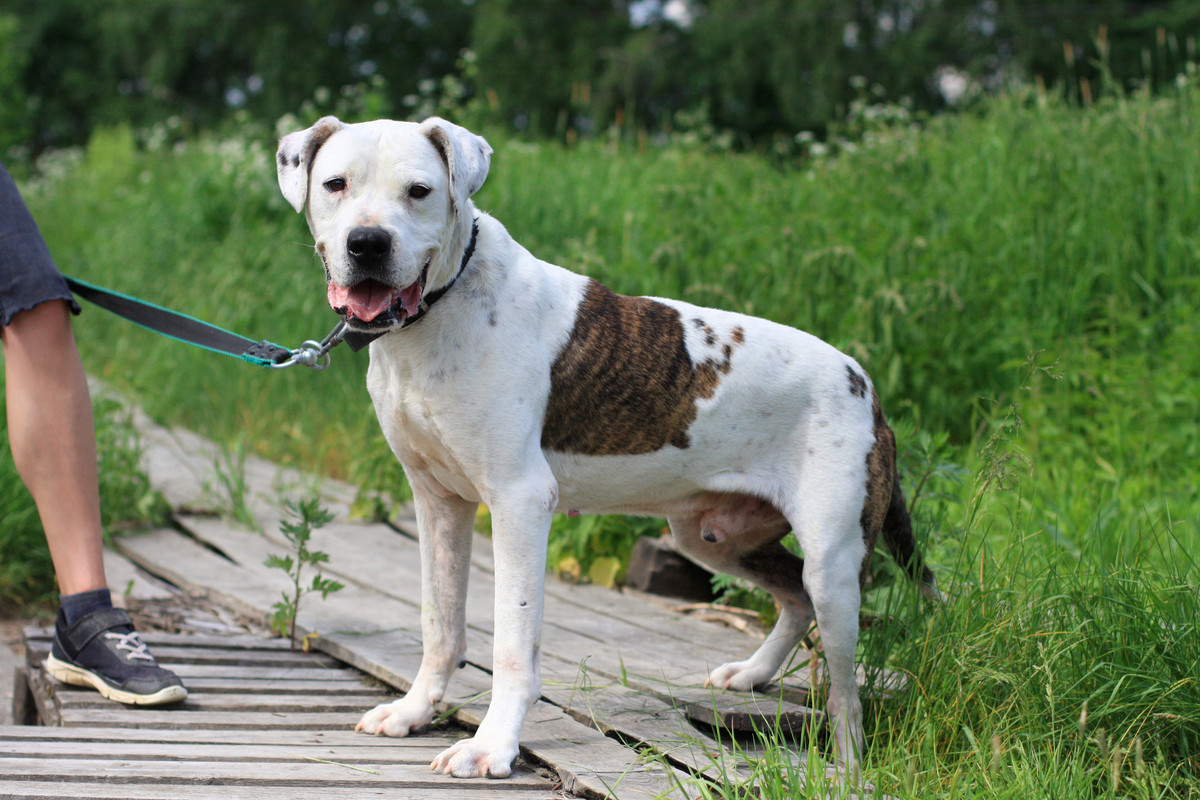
[[198, 333]]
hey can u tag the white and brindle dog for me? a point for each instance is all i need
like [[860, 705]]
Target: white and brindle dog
[[533, 390]]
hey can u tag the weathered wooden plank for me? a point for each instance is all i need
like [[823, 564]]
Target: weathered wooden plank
[[43, 698], [251, 591], [171, 657], [752, 713], [102, 789], [612, 651], [240, 773], [613, 645], [577, 758], [340, 689], [421, 753], [71, 698], [180, 464], [114, 715], [24, 705], [292, 739], [252, 676], [333, 675], [43, 635], [127, 582], [589, 761], [584, 757], [650, 721], [649, 612]]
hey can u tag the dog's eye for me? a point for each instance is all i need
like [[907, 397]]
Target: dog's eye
[[335, 185], [418, 191]]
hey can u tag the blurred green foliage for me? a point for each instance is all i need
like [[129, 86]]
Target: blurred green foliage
[[762, 71]]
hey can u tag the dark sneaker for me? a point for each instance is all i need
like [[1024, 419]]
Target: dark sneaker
[[102, 650]]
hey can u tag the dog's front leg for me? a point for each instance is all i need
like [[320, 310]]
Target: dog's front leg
[[444, 525], [520, 526]]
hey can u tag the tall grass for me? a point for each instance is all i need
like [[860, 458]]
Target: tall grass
[[1050, 671], [1019, 280]]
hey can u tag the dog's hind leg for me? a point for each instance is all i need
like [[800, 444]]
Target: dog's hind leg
[[445, 528], [831, 536], [774, 568], [825, 584], [759, 557]]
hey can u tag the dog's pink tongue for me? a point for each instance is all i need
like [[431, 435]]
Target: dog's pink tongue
[[365, 300]]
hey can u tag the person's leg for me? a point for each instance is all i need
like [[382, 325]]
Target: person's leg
[[52, 436], [53, 440]]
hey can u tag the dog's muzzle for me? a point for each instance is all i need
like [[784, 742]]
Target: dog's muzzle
[[371, 303], [371, 306]]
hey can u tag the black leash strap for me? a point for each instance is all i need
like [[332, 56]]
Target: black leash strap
[[192, 331]]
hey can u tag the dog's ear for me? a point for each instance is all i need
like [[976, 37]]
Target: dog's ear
[[295, 157], [467, 157]]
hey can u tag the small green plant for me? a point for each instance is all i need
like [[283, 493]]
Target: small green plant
[[229, 470], [308, 516]]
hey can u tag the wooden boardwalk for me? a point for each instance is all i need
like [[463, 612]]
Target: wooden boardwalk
[[623, 673], [261, 722]]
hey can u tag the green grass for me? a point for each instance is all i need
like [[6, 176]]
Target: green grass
[[1020, 281]]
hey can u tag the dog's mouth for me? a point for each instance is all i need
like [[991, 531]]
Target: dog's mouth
[[372, 305]]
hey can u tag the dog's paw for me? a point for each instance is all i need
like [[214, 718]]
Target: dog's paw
[[398, 718], [739, 676], [477, 757]]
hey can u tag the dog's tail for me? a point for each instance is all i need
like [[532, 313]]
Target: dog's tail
[[900, 542]]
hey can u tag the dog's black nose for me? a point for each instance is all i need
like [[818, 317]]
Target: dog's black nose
[[369, 247]]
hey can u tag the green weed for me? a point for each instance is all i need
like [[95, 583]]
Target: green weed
[[308, 516]]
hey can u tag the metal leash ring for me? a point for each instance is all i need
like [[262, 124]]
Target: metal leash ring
[[315, 354]]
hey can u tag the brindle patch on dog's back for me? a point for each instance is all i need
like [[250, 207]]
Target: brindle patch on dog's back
[[624, 383], [881, 477]]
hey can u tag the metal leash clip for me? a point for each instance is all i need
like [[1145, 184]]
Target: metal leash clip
[[313, 353]]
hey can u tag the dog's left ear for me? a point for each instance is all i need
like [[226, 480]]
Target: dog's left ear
[[467, 157], [295, 157]]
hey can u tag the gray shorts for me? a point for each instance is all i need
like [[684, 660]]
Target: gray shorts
[[27, 273]]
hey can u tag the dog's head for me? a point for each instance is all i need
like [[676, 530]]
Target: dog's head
[[389, 206]]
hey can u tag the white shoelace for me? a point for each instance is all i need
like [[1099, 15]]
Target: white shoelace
[[131, 643]]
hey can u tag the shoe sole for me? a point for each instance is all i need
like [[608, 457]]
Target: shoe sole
[[77, 676]]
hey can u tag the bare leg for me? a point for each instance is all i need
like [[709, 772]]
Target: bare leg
[[53, 440]]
